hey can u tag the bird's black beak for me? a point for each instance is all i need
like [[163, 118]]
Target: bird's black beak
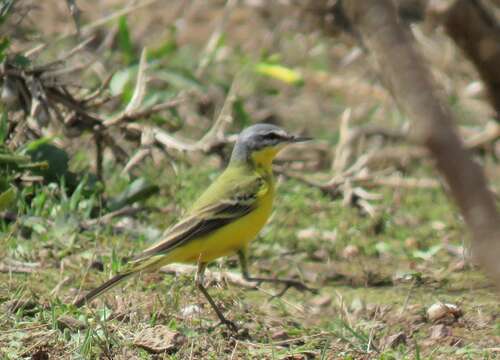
[[296, 138]]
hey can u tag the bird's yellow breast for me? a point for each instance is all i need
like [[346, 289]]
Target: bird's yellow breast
[[230, 238]]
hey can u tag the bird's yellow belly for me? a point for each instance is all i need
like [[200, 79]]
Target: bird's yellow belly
[[229, 238]]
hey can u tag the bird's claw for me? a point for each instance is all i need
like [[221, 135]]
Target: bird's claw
[[289, 283], [281, 293]]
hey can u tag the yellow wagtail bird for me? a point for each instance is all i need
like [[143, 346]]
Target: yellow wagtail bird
[[227, 216]]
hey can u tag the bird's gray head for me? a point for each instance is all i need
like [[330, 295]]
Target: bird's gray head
[[262, 141]]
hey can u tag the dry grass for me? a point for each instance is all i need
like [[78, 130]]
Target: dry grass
[[377, 274]]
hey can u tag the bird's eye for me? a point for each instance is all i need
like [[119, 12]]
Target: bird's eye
[[273, 136]]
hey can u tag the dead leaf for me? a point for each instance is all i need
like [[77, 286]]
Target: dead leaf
[[27, 305], [455, 341], [279, 334], [159, 339], [411, 243], [40, 355], [97, 265], [393, 341], [440, 331], [320, 255], [68, 322], [321, 301], [350, 251], [443, 312], [303, 356], [312, 233], [458, 266], [309, 233], [329, 235], [438, 225], [190, 311]]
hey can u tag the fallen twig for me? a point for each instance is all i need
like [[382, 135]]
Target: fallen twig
[[146, 112], [13, 266]]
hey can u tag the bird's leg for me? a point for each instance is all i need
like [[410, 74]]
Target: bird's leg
[[199, 280], [289, 283]]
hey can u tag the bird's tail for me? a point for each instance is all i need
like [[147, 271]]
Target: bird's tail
[[99, 290]]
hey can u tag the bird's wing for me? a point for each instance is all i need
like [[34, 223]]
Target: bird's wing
[[236, 201], [226, 200]]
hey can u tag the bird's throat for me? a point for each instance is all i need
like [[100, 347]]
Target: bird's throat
[[263, 159]]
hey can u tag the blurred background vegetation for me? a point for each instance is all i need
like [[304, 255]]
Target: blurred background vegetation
[[115, 115]]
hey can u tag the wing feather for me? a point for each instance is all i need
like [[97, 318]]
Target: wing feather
[[207, 219]]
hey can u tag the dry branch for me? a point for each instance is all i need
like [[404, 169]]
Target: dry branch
[[478, 34], [409, 80], [145, 112], [41, 94]]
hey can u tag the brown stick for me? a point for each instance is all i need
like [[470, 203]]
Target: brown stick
[[409, 80], [478, 34]]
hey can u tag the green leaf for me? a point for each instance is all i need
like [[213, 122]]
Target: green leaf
[[115, 262], [121, 83], [18, 160], [103, 313], [156, 97], [382, 247], [241, 117], [77, 195], [166, 49], [4, 45], [4, 127], [21, 61], [7, 198], [180, 79], [35, 144], [124, 40], [139, 189], [427, 254], [4, 183], [56, 158]]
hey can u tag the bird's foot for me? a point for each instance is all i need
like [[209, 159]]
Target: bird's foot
[[291, 283]]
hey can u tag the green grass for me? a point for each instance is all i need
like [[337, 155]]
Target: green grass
[[398, 269], [349, 326]]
